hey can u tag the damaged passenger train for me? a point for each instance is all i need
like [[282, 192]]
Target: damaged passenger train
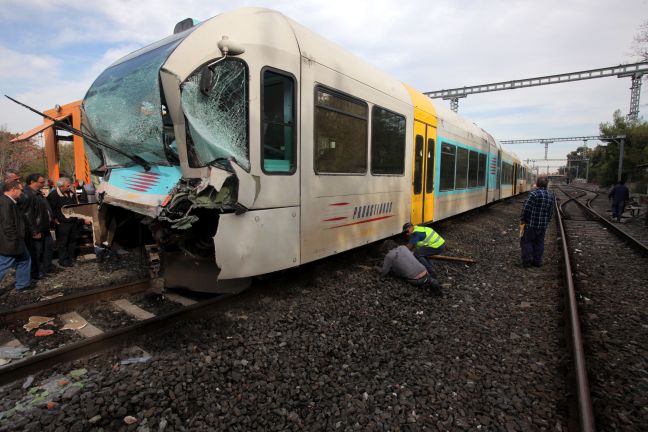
[[247, 144]]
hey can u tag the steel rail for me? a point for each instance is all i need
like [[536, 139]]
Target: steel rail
[[585, 410], [105, 341], [563, 204], [637, 244], [63, 304]]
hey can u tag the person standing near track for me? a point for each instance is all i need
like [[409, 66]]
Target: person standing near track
[[38, 216], [67, 228], [13, 251], [620, 195], [536, 214], [424, 242]]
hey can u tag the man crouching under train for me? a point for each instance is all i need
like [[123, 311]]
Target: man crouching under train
[[401, 262]]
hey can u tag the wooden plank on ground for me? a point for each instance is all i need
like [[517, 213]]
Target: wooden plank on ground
[[450, 258], [133, 310], [87, 330], [177, 298]]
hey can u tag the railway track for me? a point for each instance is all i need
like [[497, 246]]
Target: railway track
[[605, 279], [86, 338]]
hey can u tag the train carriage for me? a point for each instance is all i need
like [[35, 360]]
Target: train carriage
[[248, 144]]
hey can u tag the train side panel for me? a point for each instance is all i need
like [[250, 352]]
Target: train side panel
[[340, 210], [463, 158]]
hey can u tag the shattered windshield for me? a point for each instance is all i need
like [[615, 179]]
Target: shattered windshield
[[218, 121], [124, 107]]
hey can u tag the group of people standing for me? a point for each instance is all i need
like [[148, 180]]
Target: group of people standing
[[27, 218]]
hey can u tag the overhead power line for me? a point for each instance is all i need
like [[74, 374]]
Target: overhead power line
[[634, 71]]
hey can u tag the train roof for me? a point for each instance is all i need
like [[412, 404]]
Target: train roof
[[254, 28]]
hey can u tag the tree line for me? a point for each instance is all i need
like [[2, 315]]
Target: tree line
[[601, 163], [28, 156]]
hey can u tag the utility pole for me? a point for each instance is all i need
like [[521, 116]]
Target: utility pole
[[620, 159]]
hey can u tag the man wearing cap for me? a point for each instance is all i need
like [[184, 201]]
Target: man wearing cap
[[424, 242], [401, 262]]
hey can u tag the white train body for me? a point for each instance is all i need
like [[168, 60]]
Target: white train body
[[287, 150]]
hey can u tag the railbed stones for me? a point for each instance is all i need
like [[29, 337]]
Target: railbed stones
[[345, 351]]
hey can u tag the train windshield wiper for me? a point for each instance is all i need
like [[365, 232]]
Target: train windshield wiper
[[138, 160]]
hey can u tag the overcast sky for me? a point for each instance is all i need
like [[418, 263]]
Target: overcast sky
[[51, 51]]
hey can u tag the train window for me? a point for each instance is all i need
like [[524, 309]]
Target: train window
[[278, 127], [429, 175], [461, 174], [340, 133], [418, 165], [507, 173], [481, 173], [218, 121], [448, 155], [473, 160], [387, 142]]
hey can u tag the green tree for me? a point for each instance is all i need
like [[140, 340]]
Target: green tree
[[578, 166], [605, 158], [18, 156]]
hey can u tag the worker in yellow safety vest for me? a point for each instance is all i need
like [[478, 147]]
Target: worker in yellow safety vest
[[424, 242]]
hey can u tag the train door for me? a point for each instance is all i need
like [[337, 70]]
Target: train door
[[499, 173], [423, 173], [514, 179]]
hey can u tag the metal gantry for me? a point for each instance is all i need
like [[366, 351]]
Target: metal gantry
[[634, 70], [635, 92], [568, 160], [619, 139]]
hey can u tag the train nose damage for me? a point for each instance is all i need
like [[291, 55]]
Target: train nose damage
[[185, 236]]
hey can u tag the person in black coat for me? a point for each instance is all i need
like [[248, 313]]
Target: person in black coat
[[619, 195], [67, 229], [13, 252], [38, 216]]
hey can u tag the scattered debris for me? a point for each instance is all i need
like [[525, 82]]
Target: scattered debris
[[142, 359], [28, 381], [12, 352], [43, 332], [36, 321], [78, 372], [76, 322]]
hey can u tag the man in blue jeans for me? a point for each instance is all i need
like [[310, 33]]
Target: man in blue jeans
[[536, 214], [13, 251]]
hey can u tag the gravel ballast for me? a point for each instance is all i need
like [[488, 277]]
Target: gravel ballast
[[332, 346]]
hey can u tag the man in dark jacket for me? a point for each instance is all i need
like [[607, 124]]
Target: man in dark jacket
[[38, 216], [67, 229], [536, 214], [620, 195], [13, 252], [8, 176]]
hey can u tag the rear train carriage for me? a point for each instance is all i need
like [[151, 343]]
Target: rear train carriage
[[248, 144]]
